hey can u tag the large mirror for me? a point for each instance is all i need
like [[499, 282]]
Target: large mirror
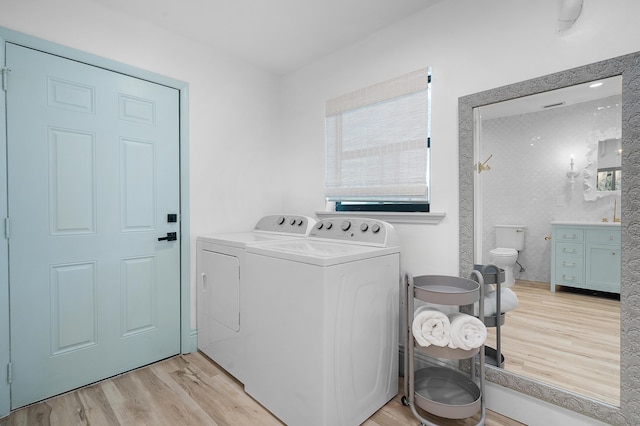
[[572, 172]]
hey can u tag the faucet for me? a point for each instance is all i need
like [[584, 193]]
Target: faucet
[[616, 219]]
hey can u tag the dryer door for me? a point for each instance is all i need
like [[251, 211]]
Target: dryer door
[[221, 288]]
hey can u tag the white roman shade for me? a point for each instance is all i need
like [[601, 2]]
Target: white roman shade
[[377, 142]]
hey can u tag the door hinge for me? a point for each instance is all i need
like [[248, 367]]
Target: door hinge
[[5, 71], [7, 232], [9, 373]]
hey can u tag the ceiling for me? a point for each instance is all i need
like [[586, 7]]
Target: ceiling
[[275, 35]]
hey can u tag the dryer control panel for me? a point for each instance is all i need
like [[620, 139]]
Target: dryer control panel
[[286, 224], [356, 230]]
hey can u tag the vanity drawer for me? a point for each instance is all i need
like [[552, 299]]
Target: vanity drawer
[[569, 251], [567, 265], [569, 234], [570, 275], [604, 236]]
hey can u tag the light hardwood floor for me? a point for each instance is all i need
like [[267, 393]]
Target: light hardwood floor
[[185, 390], [568, 339]]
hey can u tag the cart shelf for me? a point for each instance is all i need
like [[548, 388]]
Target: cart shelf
[[446, 393], [446, 352], [445, 290], [494, 321]]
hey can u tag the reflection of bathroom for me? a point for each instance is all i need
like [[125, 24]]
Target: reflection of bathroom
[[528, 183]]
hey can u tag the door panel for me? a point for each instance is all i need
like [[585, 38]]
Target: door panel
[[73, 307], [138, 183], [92, 173], [72, 172]]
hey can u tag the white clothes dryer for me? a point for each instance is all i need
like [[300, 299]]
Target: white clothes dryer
[[220, 281], [322, 320]]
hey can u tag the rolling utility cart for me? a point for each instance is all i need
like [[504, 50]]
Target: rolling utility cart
[[443, 389], [491, 274]]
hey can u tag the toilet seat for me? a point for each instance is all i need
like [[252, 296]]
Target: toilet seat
[[503, 252]]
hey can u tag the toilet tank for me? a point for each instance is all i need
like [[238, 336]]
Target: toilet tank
[[510, 236]]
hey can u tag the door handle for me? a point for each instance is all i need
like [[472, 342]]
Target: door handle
[[171, 236]]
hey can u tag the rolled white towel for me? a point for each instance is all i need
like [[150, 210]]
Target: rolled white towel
[[508, 301], [467, 332], [430, 327]]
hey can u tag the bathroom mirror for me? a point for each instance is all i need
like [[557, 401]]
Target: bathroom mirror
[[628, 411], [603, 170]]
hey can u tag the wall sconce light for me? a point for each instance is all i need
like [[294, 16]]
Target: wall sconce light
[[571, 174], [484, 166]]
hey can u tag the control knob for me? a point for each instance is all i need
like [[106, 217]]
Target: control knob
[[346, 225], [375, 228], [280, 220], [364, 227]]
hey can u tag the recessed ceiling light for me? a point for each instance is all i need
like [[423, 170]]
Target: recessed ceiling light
[[598, 84]]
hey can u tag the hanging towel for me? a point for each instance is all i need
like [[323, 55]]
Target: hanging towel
[[430, 327], [467, 332]]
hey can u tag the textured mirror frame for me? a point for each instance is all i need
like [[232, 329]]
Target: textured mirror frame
[[629, 67]]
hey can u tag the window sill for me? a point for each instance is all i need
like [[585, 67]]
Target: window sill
[[415, 218]]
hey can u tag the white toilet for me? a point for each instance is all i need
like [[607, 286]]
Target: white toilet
[[509, 241]]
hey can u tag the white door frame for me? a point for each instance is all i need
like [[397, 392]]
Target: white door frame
[[186, 333]]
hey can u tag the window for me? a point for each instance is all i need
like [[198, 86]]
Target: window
[[377, 146]]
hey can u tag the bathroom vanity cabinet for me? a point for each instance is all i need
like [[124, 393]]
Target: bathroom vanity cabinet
[[586, 255]]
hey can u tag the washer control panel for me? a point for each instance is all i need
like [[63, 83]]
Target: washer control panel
[[286, 224], [357, 230]]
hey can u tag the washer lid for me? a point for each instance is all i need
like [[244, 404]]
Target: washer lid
[[319, 253]]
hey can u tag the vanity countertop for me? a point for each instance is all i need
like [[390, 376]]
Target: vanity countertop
[[582, 223]]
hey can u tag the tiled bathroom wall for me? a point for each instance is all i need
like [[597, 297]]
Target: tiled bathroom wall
[[528, 184]]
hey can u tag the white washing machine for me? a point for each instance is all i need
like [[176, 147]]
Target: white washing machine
[[322, 325], [220, 286]]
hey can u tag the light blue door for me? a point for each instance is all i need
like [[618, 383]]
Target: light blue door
[[93, 175]]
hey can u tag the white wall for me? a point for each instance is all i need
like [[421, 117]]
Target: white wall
[[471, 46], [234, 127]]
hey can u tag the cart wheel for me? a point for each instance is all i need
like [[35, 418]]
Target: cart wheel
[[405, 401]]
